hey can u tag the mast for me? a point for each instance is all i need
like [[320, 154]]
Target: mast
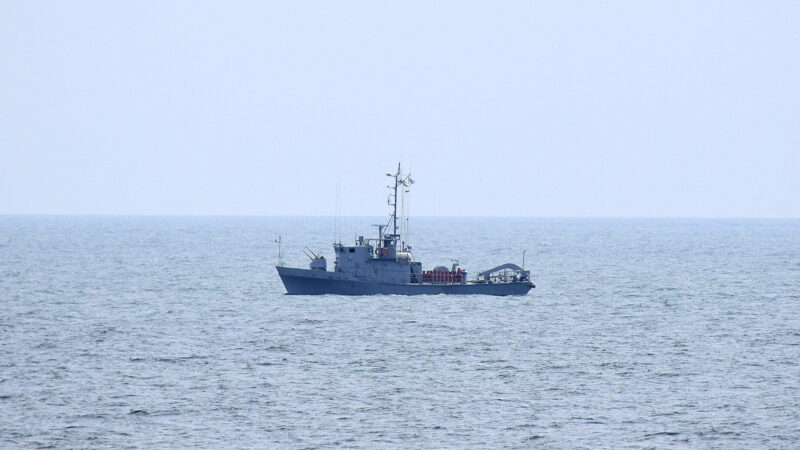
[[405, 181], [394, 215]]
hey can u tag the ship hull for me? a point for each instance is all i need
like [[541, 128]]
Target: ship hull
[[317, 282]]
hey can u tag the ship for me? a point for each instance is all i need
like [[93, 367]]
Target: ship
[[385, 266]]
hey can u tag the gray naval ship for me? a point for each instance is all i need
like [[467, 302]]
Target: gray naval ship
[[385, 266]]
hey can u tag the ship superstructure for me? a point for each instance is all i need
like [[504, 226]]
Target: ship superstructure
[[385, 265]]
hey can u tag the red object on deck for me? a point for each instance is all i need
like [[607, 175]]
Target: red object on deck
[[440, 276]]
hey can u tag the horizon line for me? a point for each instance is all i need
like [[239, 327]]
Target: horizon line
[[373, 216]]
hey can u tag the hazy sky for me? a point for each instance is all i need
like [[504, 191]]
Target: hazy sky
[[499, 108]]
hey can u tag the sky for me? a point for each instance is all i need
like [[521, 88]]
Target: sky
[[511, 108]]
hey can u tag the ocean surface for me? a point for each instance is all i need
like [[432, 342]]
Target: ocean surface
[[175, 332]]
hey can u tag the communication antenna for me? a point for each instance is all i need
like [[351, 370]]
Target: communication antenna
[[407, 206], [402, 211], [338, 214], [523, 259]]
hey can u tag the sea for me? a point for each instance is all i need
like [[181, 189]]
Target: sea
[[174, 332]]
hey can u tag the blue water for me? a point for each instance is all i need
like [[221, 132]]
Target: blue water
[[174, 332]]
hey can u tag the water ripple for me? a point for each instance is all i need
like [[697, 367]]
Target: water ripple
[[174, 332]]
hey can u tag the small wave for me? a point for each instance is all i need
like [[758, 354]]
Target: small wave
[[91, 416], [310, 321], [662, 433], [277, 348], [521, 427], [177, 359]]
